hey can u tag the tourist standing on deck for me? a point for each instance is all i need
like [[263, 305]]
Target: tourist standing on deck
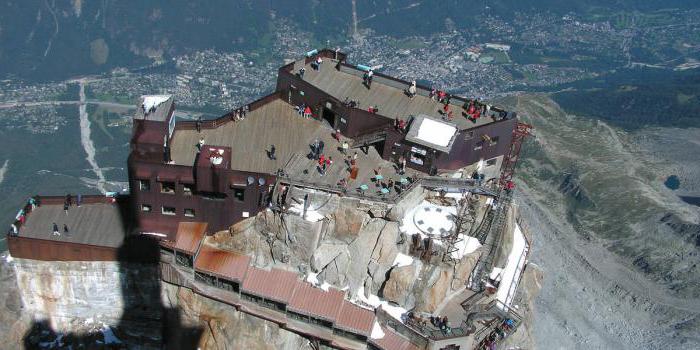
[[272, 152]]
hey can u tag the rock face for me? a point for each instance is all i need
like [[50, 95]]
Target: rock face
[[399, 286], [218, 321], [60, 291], [14, 323]]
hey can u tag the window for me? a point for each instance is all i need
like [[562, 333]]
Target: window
[[491, 162], [146, 208], [167, 187], [239, 194], [168, 210], [189, 212], [144, 185], [187, 189], [494, 141]]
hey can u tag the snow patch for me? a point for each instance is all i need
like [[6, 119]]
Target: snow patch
[[311, 215], [514, 267], [465, 245], [435, 132], [153, 101], [377, 332], [402, 260], [396, 312], [313, 279]]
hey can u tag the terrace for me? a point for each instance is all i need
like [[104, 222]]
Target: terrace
[[387, 93]]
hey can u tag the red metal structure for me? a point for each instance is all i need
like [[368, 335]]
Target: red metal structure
[[520, 132]]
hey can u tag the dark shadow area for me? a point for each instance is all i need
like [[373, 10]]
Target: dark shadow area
[[145, 322]]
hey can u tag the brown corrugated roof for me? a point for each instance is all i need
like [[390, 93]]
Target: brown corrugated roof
[[355, 319], [312, 301], [393, 341], [188, 236], [275, 284], [222, 263]]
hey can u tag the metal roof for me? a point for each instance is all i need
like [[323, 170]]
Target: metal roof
[[393, 341], [222, 263], [315, 302], [355, 319], [188, 236], [275, 284]]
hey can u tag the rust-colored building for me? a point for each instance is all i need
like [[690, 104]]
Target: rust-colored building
[[215, 171]]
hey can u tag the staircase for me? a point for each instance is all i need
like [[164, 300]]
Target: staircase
[[438, 182], [369, 138], [490, 237]]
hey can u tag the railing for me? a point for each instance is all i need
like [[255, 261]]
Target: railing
[[228, 117], [55, 200]]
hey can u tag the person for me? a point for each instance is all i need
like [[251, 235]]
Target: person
[[390, 184], [344, 147], [320, 146], [69, 199], [14, 229], [302, 70], [321, 160], [65, 207], [32, 202], [307, 112], [200, 144], [368, 78], [450, 116], [446, 108], [55, 230], [432, 94], [199, 124], [65, 229], [337, 135], [412, 90], [79, 199], [272, 152]]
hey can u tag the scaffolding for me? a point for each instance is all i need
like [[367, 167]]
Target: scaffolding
[[520, 132]]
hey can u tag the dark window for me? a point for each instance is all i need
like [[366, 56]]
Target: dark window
[[144, 185], [167, 187], [491, 162], [146, 208], [187, 190], [239, 194], [168, 210], [189, 213]]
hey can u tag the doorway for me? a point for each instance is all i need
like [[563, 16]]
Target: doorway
[[329, 116]]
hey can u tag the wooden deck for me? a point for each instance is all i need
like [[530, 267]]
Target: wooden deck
[[278, 123], [392, 102], [93, 224]]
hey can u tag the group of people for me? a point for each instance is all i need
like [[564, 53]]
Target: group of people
[[240, 113], [304, 110], [351, 103], [21, 216], [499, 333], [400, 125], [68, 201], [441, 323]]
